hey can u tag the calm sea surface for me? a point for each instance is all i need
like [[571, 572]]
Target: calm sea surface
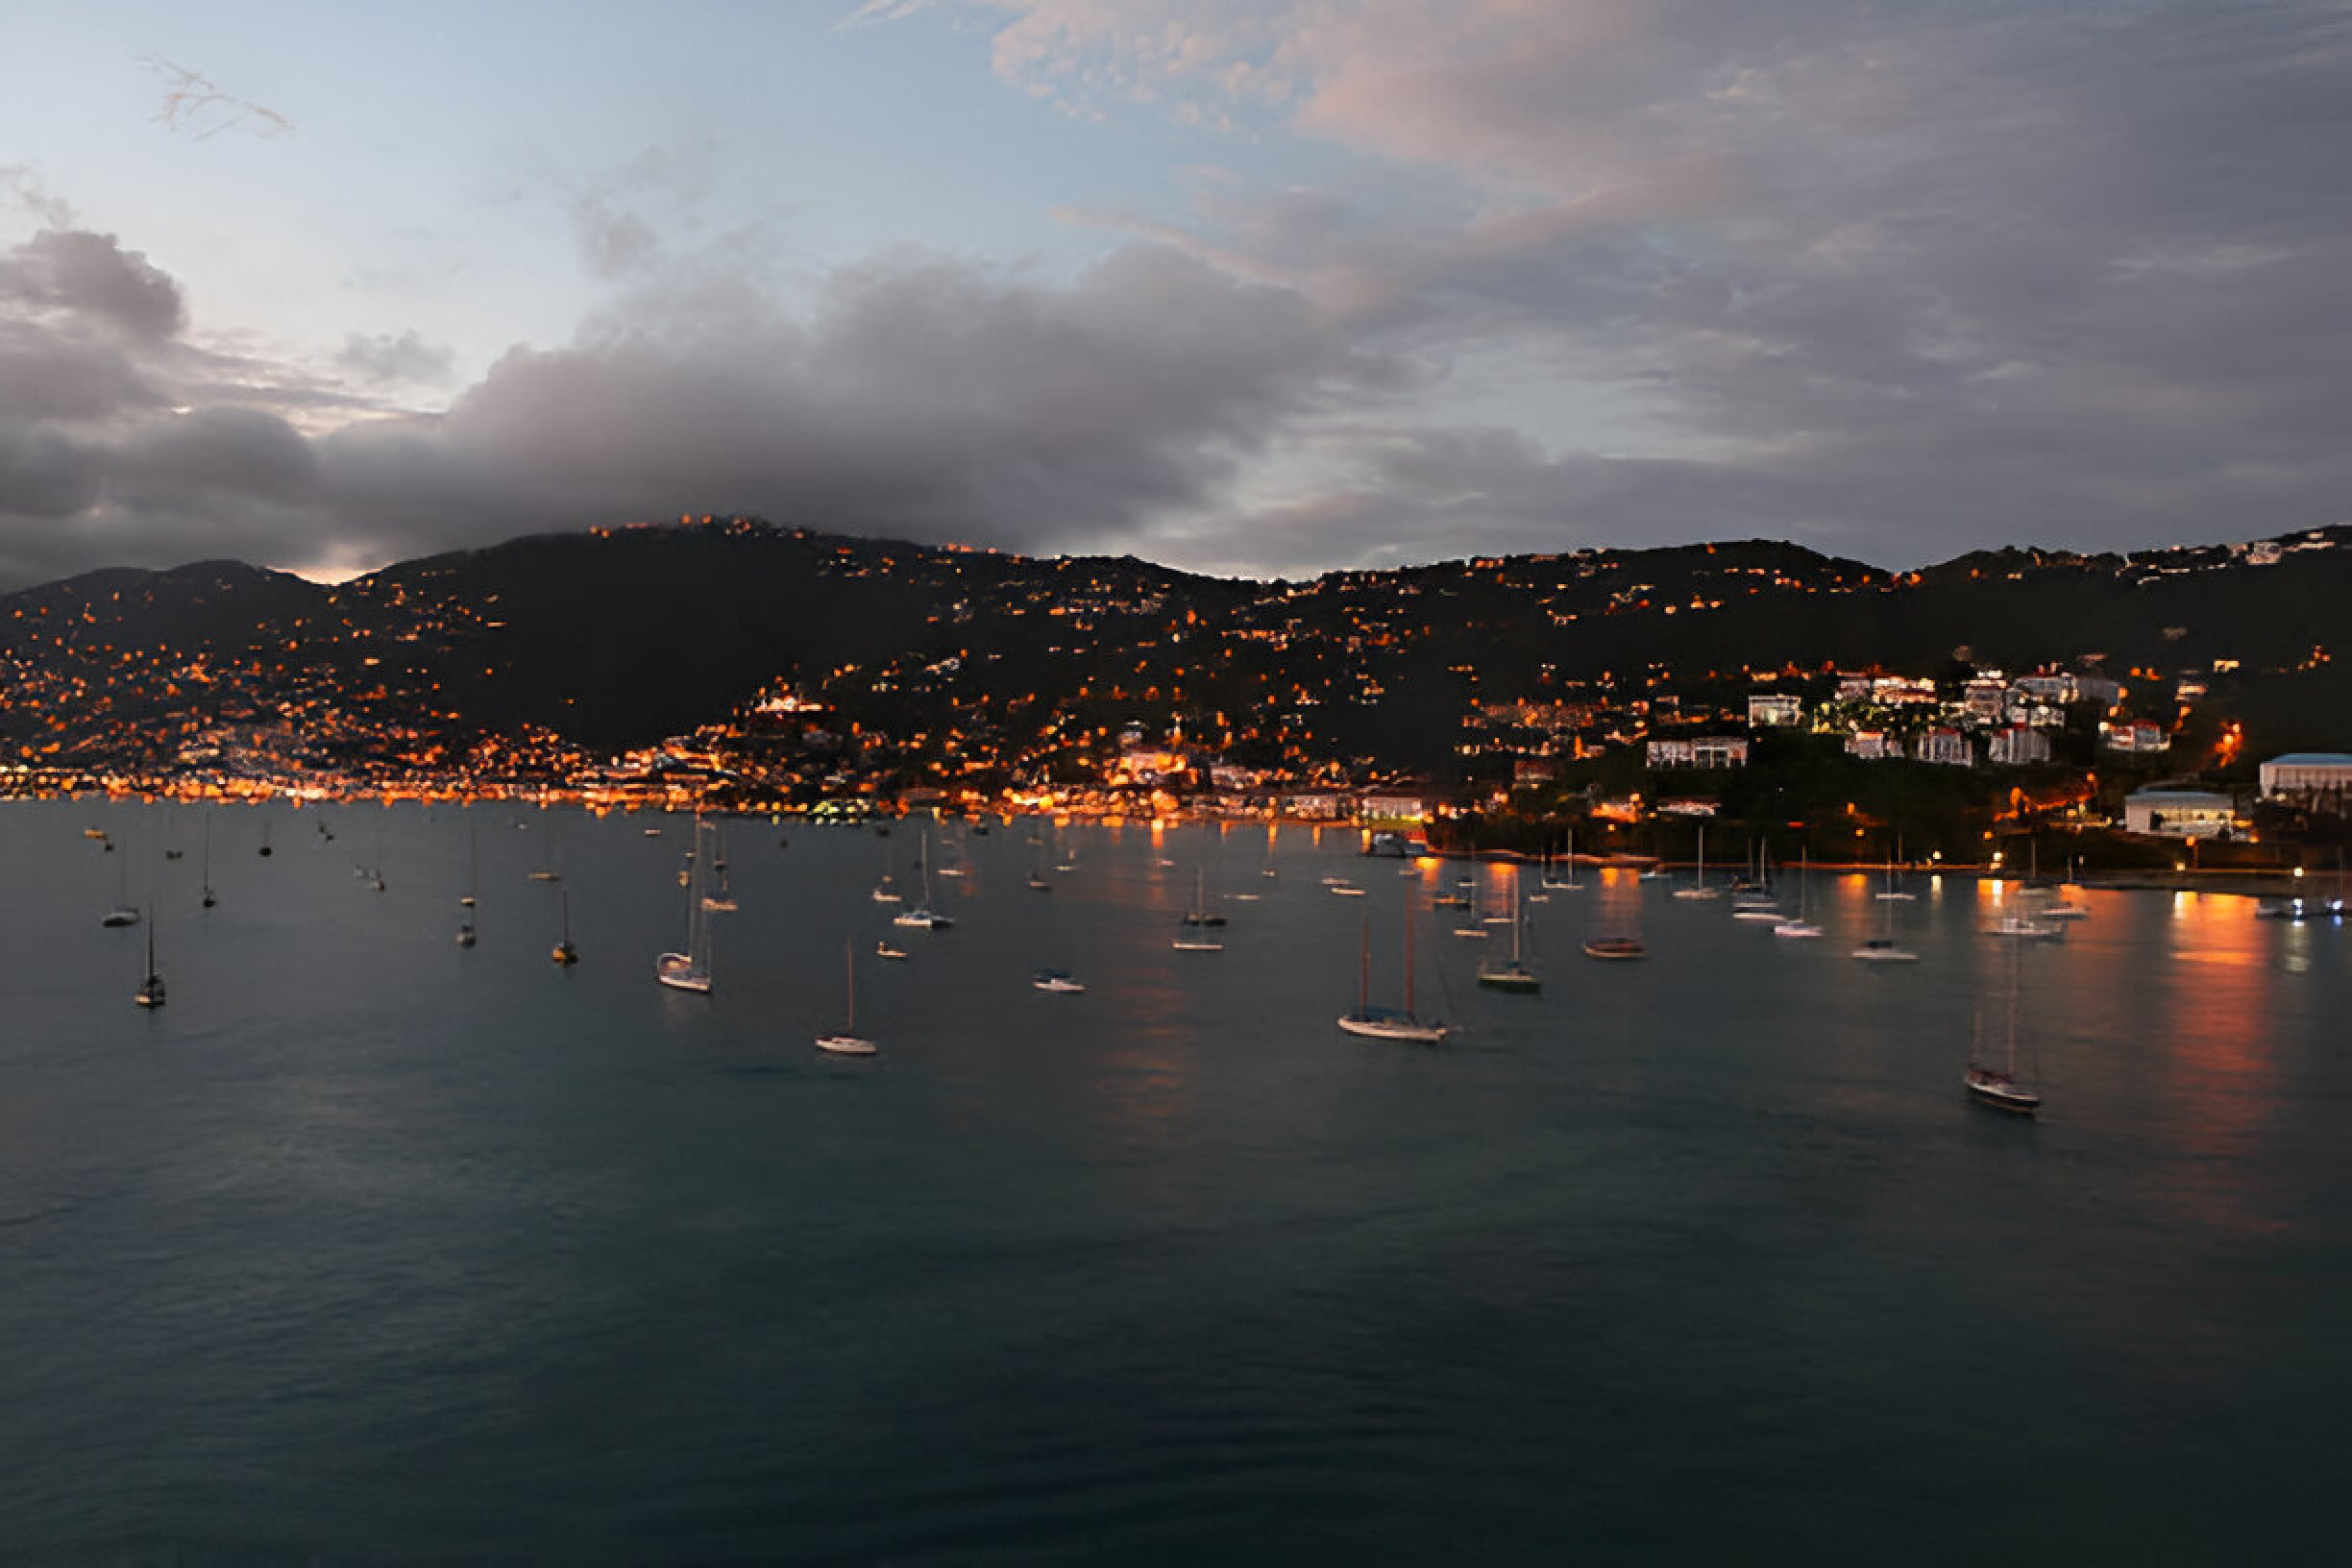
[[370, 1248]]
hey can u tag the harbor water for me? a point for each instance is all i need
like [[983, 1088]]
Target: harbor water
[[371, 1247]]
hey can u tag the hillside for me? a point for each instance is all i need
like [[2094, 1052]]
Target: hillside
[[570, 647]]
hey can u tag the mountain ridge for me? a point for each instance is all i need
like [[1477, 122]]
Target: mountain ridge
[[592, 643]]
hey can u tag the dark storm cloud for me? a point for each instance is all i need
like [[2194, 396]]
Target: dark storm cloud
[[120, 443], [51, 374], [914, 395], [919, 396]]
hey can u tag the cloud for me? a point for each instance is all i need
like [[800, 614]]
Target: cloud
[[22, 186], [1923, 278], [386, 357], [1894, 281], [912, 394], [918, 396], [91, 277], [121, 442]]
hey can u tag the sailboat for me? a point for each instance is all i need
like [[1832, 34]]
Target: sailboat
[[1798, 927], [848, 1042], [691, 969], [2063, 908], [124, 912], [465, 922], [1197, 920], [551, 871], [1999, 1087], [1751, 896], [1388, 1022], [564, 952], [209, 899], [1200, 914], [1881, 948], [1510, 973], [723, 901], [1617, 920], [2298, 907], [1553, 883], [1892, 894], [1698, 888], [2025, 922], [921, 917], [151, 989], [1474, 925]]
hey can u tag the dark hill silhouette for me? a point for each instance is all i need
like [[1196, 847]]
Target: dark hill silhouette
[[618, 638]]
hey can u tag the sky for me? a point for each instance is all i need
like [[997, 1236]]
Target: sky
[[1261, 289]]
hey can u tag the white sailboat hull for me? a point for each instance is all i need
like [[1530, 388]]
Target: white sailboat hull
[[1998, 1089], [846, 1046], [1376, 1027]]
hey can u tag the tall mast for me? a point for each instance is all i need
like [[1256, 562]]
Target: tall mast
[[1515, 921], [1409, 961], [2010, 1065]]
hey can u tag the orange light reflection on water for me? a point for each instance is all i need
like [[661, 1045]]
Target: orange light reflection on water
[[2211, 991]]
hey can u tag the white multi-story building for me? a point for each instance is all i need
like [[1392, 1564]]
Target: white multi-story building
[[2306, 772], [1949, 747], [2016, 745], [1398, 802], [1699, 751], [1720, 752], [1775, 710], [2179, 813], [1985, 697]]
